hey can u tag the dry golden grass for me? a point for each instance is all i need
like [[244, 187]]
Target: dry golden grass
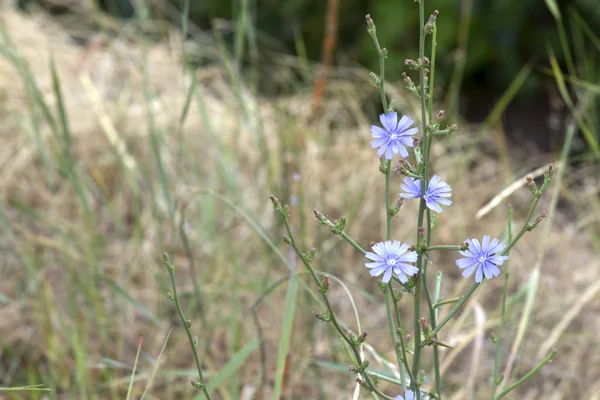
[[63, 325]]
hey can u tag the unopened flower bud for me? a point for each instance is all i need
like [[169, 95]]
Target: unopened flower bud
[[412, 64], [440, 115], [529, 180], [370, 25], [535, 223], [375, 79], [384, 52], [423, 323], [276, 202]]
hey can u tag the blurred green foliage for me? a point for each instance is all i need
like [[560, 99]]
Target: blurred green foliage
[[500, 35]]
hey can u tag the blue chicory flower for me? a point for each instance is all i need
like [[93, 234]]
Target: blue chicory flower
[[394, 136], [410, 395], [483, 258], [438, 192], [392, 257]]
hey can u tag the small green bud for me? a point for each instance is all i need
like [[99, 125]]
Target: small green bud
[[362, 337], [324, 285], [196, 341], [276, 202], [170, 296], [310, 254], [494, 338], [412, 64], [167, 261], [370, 25], [188, 323], [548, 174], [287, 239], [384, 52], [535, 223], [397, 206], [375, 79], [322, 317], [197, 385]]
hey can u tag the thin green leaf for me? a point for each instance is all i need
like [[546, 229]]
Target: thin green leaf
[[156, 364], [234, 363], [122, 292], [137, 356], [564, 92], [553, 7], [286, 335]]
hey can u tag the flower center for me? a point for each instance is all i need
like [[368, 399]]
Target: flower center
[[482, 258], [391, 262], [394, 136]]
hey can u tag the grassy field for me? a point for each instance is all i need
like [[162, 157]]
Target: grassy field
[[115, 152]]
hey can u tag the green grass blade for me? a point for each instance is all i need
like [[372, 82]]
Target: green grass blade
[[553, 8], [577, 115], [133, 301], [156, 365], [286, 335], [32, 388], [137, 356], [234, 363]]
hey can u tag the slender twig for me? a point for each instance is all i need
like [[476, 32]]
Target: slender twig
[[402, 344], [389, 294], [388, 210], [447, 301], [536, 200], [529, 375], [420, 225], [503, 312], [456, 308], [444, 247], [187, 325], [289, 239], [348, 239]]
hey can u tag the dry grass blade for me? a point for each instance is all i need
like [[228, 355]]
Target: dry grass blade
[[568, 317], [510, 189]]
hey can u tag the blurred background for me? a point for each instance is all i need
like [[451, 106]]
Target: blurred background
[[128, 129]]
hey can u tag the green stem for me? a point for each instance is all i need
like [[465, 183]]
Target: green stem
[[438, 290], [186, 325], [355, 349], [348, 239], [388, 308], [529, 375], [420, 225], [381, 73], [432, 72], [447, 301], [525, 226], [503, 313], [444, 247], [456, 307], [402, 344], [388, 211], [432, 315]]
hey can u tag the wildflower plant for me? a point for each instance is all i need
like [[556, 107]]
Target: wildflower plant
[[401, 263]]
